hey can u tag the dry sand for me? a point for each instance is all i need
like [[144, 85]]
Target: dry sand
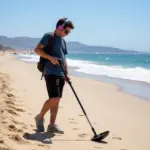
[[22, 95]]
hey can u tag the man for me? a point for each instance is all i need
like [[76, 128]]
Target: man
[[53, 73]]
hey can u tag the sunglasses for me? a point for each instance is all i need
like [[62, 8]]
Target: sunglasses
[[67, 31]]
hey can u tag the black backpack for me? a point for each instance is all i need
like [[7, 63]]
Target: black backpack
[[47, 49]]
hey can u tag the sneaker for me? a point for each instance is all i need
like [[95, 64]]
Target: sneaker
[[39, 123], [54, 129]]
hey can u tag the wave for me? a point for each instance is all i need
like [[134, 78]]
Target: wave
[[135, 73], [29, 58]]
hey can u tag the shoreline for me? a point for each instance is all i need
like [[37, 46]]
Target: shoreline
[[122, 85]]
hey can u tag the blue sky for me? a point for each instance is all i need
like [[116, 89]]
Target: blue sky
[[118, 23]]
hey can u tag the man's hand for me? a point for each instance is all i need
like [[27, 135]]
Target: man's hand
[[40, 52], [67, 78], [53, 60]]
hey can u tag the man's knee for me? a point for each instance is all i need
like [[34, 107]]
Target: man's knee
[[54, 101]]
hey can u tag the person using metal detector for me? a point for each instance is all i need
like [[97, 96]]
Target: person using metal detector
[[52, 50], [50, 47]]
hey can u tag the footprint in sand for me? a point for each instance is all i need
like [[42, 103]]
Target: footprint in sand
[[5, 148], [11, 111], [8, 102], [41, 145], [25, 127], [98, 147], [2, 111], [14, 129], [11, 103], [10, 95], [75, 128], [16, 109], [1, 140], [81, 115], [117, 138], [3, 122], [83, 135], [32, 126], [17, 122], [17, 138], [73, 122]]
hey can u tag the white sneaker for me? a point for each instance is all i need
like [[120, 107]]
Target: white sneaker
[[54, 129]]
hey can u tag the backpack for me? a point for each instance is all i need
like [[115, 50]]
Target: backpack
[[47, 49]]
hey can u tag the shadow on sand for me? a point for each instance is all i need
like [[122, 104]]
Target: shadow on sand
[[44, 137]]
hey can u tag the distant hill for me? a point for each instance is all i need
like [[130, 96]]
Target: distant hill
[[19, 42], [3, 48], [28, 43]]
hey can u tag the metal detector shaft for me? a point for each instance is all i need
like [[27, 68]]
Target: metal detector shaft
[[78, 99]]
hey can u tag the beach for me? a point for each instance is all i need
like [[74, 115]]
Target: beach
[[22, 95]]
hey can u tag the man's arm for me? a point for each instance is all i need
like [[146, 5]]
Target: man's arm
[[40, 52], [65, 52], [39, 49], [66, 67]]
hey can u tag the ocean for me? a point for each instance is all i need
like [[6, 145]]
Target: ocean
[[131, 72]]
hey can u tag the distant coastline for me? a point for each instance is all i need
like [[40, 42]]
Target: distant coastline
[[29, 43]]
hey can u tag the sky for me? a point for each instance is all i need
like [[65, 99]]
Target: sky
[[122, 24]]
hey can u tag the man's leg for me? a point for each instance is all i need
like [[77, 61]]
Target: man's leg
[[53, 112], [52, 126], [49, 104], [53, 105], [54, 86], [52, 102]]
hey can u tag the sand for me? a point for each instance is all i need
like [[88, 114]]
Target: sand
[[22, 95]]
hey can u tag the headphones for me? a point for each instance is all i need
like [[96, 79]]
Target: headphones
[[60, 27]]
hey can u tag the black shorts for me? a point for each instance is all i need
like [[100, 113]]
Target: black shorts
[[54, 86]]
